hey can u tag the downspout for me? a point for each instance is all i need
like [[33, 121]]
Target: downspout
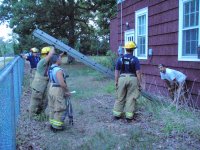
[[121, 24], [120, 50]]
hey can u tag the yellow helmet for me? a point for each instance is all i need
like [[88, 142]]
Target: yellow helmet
[[130, 45], [34, 50], [45, 50]]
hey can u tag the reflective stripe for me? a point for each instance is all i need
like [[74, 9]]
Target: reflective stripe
[[117, 113], [55, 122], [129, 115]]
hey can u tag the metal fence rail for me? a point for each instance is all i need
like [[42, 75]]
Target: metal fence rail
[[11, 78]]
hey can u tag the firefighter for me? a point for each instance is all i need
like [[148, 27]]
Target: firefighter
[[57, 95], [175, 80], [33, 58], [38, 101], [127, 81]]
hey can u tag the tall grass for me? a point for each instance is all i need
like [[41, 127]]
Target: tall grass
[[173, 121]]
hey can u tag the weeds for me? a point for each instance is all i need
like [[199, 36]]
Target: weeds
[[102, 140], [41, 117], [139, 139], [110, 87]]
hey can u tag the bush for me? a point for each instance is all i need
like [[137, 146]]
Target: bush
[[107, 61]]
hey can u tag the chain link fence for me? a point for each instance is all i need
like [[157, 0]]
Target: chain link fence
[[11, 77]]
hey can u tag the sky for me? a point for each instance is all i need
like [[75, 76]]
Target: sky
[[5, 31]]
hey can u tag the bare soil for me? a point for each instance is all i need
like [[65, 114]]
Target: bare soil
[[95, 128]]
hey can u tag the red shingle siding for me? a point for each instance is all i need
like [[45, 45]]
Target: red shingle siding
[[163, 18], [114, 35]]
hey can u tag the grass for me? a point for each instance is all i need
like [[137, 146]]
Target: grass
[[101, 140], [172, 121], [106, 61], [164, 118], [158, 122], [93, 85]]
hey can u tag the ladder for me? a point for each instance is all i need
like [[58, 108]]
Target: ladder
[[79, 56], [72, 52]]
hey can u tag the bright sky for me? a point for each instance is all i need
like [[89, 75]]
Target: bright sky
[[5, 31]]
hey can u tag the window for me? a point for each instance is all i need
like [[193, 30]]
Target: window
[[189, 30], [129, 36], [141, 33]]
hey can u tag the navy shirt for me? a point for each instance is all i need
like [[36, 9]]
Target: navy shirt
[[127, 69], [33, 60]]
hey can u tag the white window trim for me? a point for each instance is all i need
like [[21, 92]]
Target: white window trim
[[127, 32], [120, 1], [180, 34], [137, 14]]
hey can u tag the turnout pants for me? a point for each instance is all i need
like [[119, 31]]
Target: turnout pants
[[127, 93], [57, 107], [38, 101], [32, 74]]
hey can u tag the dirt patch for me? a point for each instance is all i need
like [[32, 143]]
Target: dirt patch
[[95, 128]]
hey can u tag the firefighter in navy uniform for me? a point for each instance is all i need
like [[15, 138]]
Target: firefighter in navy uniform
[[127, 81], [57, 95], [33, 58]]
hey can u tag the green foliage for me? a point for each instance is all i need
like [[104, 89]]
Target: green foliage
[[71, 20], [107, 61], [110, 87], [6, 49], [41, 117]]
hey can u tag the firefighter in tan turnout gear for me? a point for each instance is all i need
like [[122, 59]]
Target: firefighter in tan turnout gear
[[39, 85], [127, 81], [58, 93]]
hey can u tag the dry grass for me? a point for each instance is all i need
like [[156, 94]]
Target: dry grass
[[156, 125]]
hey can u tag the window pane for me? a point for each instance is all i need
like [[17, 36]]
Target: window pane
[[144, 20], [141, 46], [186, 8], [140, 21], [193, 8], [192, 20], [190, 42], [194, 47], [141, 25], [186, 21]]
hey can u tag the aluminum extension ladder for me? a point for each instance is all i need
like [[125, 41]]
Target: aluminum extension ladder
[[72, 52]]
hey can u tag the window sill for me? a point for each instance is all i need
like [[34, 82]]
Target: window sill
[[189, 59]]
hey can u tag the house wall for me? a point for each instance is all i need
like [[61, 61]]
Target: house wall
[[163, 20], [114, 34]]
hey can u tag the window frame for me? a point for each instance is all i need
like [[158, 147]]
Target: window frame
[[180, 34], [138, 13], [120, 1], [129, 33]]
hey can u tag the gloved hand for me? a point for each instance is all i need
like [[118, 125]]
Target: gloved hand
[[67, 94]]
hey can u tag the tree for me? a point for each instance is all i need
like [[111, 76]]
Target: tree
[[64, 19]]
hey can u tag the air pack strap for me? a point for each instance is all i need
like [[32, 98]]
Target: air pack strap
[[131, 65]]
